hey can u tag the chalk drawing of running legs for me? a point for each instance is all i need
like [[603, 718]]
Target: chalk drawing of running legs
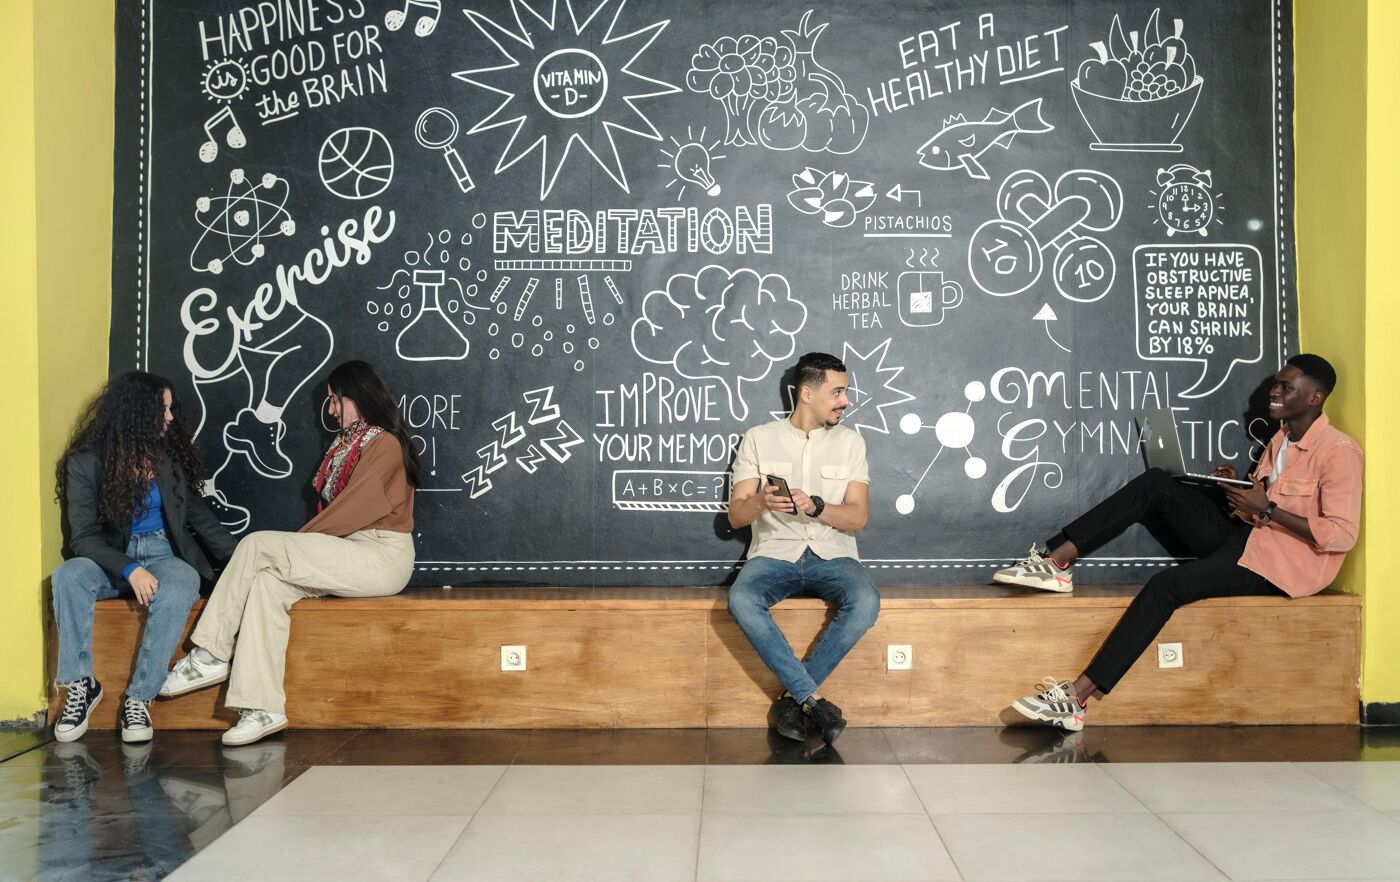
[[277, 369], [234, 517]]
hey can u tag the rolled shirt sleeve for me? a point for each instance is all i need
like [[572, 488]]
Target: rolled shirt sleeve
[[1335, 524], [745, 460], [860, 466]]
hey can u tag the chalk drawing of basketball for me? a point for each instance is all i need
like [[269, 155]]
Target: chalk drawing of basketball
[[356, 163]]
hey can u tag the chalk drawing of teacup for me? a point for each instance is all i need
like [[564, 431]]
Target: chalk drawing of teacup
[[925, 298]]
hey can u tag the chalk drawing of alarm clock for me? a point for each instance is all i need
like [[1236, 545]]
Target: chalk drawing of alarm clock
[[1185, 203]]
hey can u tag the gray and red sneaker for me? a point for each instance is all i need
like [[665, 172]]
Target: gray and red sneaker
[[1039, 572], [1055, 704]]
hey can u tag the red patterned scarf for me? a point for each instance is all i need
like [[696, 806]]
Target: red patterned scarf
[[340, 460]]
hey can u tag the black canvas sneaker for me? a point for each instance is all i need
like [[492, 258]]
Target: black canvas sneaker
[[83, 695]]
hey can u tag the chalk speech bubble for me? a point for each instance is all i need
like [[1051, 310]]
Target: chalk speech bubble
[[1199, 303]]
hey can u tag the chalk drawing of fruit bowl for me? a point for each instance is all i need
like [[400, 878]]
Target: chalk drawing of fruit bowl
[[1150, 126]]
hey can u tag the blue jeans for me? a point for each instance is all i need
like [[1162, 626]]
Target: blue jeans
[[842, 581], [79, 583]]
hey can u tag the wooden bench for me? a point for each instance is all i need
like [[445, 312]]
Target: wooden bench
[[672, 657]]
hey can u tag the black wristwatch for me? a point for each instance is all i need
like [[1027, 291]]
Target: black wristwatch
[[820, 504], [1268, 513]]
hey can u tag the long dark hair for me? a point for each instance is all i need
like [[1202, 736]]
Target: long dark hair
[[357, 381], [123, 427]]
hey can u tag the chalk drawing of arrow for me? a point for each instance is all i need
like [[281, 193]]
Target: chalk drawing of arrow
[[897, 193], [1047, 315]]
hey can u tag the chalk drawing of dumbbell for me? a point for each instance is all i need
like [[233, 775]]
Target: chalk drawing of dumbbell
[[1007, 255]]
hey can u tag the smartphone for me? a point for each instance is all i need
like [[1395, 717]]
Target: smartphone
[[782, 485]]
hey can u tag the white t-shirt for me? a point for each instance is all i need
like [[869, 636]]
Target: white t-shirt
[[1278, 460]]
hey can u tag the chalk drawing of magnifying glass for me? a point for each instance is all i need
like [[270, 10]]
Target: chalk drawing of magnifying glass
[[436, 130]]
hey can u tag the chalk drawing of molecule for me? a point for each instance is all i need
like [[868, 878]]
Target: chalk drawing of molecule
[[235, 225], [954, 429]]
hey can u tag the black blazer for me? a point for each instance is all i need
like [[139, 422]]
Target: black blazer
[[186, 517]]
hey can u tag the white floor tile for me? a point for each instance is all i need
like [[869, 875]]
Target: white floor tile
[[586, 790], [809, 790], [1229, 787], [1375, 783], [1055, 789], [308, 848], [1295, 845], [575, 848], [798, 848], [385, 790], [1120, 847]]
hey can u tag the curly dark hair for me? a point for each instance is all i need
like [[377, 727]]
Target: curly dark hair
[[125, 426]]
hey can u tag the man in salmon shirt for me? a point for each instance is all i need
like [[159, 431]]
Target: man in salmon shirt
[[1286, 535]]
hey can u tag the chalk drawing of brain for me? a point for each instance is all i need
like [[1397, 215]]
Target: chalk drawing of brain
[[731, 326]]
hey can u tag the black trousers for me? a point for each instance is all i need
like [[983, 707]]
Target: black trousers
[[1199, 522]]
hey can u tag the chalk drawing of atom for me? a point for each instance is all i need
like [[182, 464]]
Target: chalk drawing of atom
[[953, 429], [234, 225]]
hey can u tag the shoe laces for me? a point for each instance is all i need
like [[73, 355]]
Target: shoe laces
[[1034, 558], [1056, 690], [135, 714], [75, 701]]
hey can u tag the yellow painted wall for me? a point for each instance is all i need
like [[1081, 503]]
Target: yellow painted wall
[[1347, 122], [21, 637], [1381, 677], [57, 189]]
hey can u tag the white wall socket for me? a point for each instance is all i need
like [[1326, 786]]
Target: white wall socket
[[899, 657], [1169, 655], [512, 658]]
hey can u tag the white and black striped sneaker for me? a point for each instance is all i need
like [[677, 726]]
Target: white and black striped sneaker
[[136, 720], [1055, 704], [83, 695], [1037, 571]]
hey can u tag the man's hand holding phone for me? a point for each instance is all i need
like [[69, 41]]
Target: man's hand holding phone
[[777, 496]]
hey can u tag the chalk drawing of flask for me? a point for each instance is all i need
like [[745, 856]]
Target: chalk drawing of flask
[[431, 336]]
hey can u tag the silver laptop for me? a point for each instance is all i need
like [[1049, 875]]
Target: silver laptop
[[1162, 446]]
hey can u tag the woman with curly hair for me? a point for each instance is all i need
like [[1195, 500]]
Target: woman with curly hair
[[360, 544], [129, 484]]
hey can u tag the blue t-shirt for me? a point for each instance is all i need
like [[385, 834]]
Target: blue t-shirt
[[148, 519]]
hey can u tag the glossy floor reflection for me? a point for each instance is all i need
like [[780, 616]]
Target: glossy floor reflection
[[98, 809]]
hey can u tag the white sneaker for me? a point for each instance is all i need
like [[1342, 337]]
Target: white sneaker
[[1055, 704], [190, 674], [254, 725], [1037, 571]]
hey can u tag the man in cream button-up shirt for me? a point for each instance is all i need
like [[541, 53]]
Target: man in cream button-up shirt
[[804, 544]]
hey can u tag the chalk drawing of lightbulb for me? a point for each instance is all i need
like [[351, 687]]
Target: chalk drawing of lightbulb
[[691, 164]]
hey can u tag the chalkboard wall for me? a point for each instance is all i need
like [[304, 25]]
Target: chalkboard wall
[[584, 241]]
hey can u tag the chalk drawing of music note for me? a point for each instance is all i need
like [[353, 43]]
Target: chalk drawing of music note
[[394, 19], [209, 150]]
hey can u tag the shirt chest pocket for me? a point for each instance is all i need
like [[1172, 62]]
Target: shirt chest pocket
[[779, 467], [834, 480], [1297, 486]]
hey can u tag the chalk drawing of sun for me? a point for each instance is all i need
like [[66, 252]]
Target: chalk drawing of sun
[[563, 81]]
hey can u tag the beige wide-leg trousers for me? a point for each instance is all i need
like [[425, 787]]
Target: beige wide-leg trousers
[[248, 617]]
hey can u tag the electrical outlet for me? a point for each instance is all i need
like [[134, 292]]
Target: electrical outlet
[[1169, 655], [512, 658], [899, 657]]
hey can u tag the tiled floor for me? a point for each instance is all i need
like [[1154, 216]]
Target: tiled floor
[[1306, 803]]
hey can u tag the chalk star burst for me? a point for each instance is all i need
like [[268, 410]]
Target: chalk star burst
[[871, 388], [531, 124]]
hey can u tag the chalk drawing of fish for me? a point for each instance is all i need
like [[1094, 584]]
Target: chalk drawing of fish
[[960, 142]]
